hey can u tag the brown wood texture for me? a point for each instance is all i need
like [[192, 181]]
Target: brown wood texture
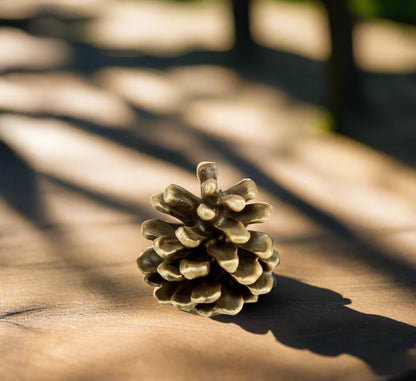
[[82, 151], [74, 306]]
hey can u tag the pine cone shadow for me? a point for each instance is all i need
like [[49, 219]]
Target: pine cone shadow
[[302, 316]]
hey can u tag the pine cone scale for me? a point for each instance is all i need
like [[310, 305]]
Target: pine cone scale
[[263, 285], [194, 269], [249, 269], [189, 236], [148, 260], [229, 303], [170, 271], [165, 246], [225, 255], [234, 202], [270, 264], [181, 298], [245, 188], [206, 292], [209, 188], [206, 170], [205, 212], [235, 231], [180, 212], [164, 292], [261, 244], [255, 213], [154, 228], [178, 196]]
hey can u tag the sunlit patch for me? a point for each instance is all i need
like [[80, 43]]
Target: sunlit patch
[[356, 163], [252, 115], [148, 89], [19, 50], [89, 160], [230, 118], [63, 94], [18, 98], [204, 80], [165, 92], [296, 28], [161, 28], [385, 46], [350, 182], [302, 29]]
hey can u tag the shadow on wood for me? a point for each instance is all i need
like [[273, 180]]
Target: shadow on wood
[[19, 187], [317, 319]]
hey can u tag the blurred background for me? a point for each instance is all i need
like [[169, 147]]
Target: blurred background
[[105, 102]]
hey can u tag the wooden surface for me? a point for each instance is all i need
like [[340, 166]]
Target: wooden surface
[[80, 155]]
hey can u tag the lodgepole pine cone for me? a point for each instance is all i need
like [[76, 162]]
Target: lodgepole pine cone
[[211, 264]]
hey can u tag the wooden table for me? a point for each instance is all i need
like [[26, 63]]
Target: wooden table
[[81, 152], [74, 306]]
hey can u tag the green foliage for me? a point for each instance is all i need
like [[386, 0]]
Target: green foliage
[[323, 123], [397, 10], [403, 10], [365, 8]]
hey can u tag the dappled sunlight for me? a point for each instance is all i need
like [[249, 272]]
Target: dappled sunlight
[[233, 119], [357, 164], [90, 160], [302, 29], [204, 80], [259, 115], [126, 123], [76, 204], [96, 224], [167, 91], [131, 98], [353, 192], [289, 225], [297, 28], [150, 90], [161, 28], [20, 50], [383, 46], [18, 98], [63, 94]]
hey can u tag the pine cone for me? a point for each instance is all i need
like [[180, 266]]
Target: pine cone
[[211, 264]]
